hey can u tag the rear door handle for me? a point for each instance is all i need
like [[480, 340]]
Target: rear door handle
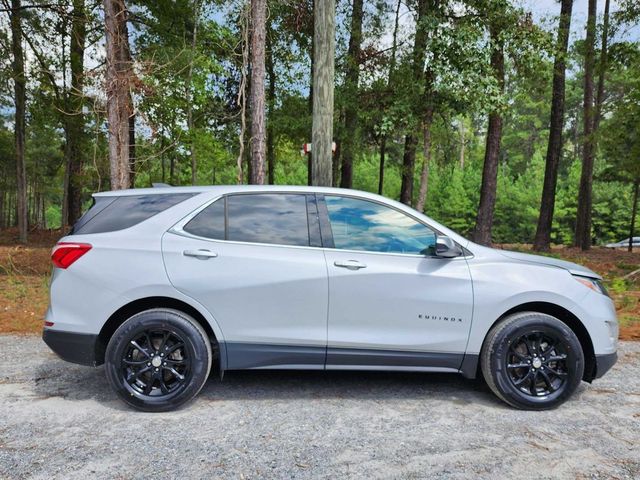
[[349, 264], [201, 254]]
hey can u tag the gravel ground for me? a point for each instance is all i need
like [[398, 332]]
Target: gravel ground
[[58, 420]]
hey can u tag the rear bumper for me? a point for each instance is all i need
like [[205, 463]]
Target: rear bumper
[[72, 347], [604, 363]]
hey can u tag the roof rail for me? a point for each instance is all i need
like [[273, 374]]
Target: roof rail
[[160, 185]]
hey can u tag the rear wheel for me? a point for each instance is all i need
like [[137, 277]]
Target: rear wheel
[[532, 361], [158, 359]]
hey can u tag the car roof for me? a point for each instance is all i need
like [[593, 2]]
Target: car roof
[[232, 189]]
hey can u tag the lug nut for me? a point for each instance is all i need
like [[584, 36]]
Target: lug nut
[[148, 364]]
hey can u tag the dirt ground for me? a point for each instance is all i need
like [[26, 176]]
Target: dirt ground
[[61, 421]]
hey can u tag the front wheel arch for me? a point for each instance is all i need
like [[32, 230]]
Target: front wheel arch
[[471, 366], [573, 322]]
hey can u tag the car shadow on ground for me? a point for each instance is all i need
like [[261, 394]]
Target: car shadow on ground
[[55, 378]]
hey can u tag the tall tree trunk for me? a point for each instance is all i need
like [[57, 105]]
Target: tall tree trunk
[[242, 92], [335, 165], [20, 97], [390, 74], [634, 211], [312, 61], [257, 96], [118, 79], [323, 84], [162, 159], [352, 79], [411, 141], [132, 150], [426, 148], [556, 124], [192, 147], [271, 99], [74, 121], [484, 218], [2, 202], [604, 59], [383, 152], [583, 221], [462, 143]]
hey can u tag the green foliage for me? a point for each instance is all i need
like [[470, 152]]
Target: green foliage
[[178, 75]]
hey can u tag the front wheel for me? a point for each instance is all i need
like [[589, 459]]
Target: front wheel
[[532, 361], [158, 359]]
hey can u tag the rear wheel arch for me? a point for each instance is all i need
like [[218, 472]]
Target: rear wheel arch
[[140, 305]]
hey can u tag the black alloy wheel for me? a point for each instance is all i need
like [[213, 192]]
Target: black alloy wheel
[[532, 361], [537, 363], [158, 359], [156, 363]]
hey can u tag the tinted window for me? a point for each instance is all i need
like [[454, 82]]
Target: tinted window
[[363, 225], [127, 211], [268, 218], [209, 222], [98, 204]]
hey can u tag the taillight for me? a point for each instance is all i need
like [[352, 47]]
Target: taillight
[[64, 254]]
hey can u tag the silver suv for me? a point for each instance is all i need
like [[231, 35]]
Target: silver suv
[[163, 284]]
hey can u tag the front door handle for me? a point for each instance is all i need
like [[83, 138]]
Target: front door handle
[[201, 254], [349, 264]]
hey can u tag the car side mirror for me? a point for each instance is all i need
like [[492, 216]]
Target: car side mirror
[[446, 247]]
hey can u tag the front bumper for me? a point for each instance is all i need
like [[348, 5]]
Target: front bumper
[[604, 363], [72, 347]]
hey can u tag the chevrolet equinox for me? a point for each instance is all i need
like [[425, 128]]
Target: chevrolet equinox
[[164, 284]]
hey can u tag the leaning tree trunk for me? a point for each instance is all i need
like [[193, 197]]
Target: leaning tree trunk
[[484, 218], [75, 119], [556, 124], [583, 221], [411, 141], [19, 83], [352, 79], [118, 80]]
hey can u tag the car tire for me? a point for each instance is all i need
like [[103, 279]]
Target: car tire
[[158, 359], [532, 361]]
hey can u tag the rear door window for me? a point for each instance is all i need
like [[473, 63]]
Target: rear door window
[[268, 218], [125, 211], [279, 219]]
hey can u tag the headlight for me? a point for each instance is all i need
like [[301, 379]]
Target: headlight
[[592, 283]]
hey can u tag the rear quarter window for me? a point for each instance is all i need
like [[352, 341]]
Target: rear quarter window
[[124, 212]]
